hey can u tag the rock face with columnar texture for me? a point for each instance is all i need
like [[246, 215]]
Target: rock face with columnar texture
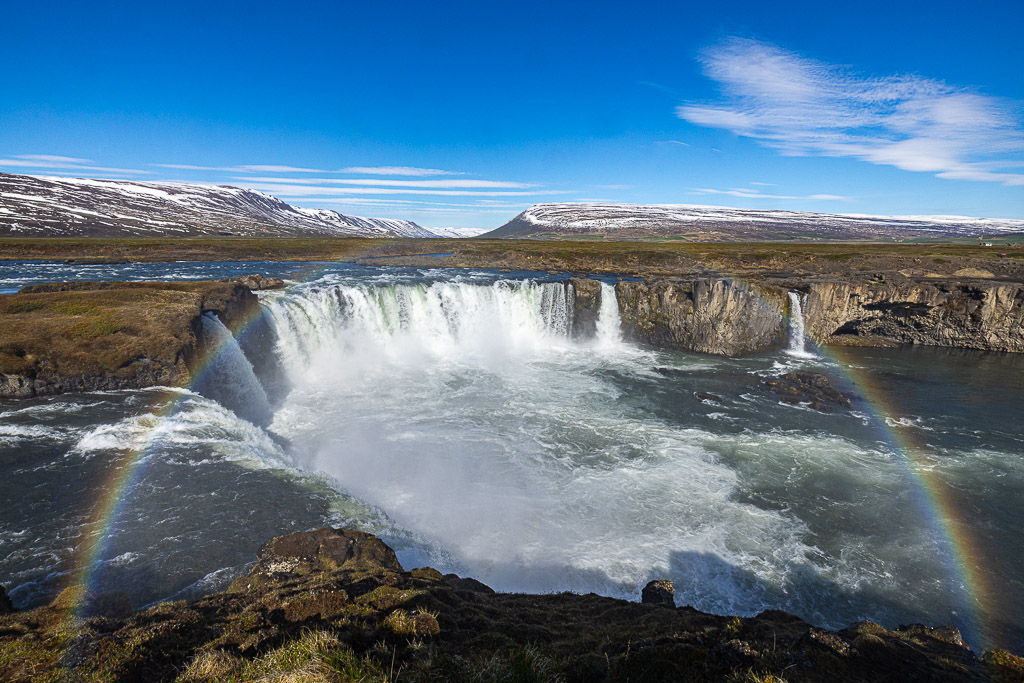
[[719, 316], [971, 314], [586, 306]]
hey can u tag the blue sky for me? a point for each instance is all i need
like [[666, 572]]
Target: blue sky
[[463, 114]]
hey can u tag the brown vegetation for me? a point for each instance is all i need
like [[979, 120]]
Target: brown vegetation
[[106, 335], [346, 611], [628, 258]]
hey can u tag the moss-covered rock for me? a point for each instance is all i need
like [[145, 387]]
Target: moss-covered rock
[[88, 336]]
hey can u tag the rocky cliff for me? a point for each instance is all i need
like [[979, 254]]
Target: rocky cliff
[[717, 316], [973, 314], [335, 605], [88, 336], [732, 317]]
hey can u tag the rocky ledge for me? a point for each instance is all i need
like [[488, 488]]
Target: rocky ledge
[[731, 317], [88, 336], [335, 605]]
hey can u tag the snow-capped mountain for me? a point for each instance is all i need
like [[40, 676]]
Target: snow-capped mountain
[[714, 223], [458, 233], [33, 206]]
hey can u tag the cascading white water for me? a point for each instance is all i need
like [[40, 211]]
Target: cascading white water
[[496, 321], [609, 330], [228, 376], [797, 340]]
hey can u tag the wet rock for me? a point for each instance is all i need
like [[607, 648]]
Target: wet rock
[[706, 396], [810, 388], [947, 634], [718, 316], [324, 549], [817, 638], [586, 306], [6, 606], [466, 584], [661, 592]]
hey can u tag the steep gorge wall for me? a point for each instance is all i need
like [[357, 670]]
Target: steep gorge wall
[[730, 317], [965, 314], [718, 316]]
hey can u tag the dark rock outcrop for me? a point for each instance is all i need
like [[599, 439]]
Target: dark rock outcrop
[[661, 592], [810, 388], [344, 606], [972, 314], [586, 306], [729, 317], [718, 316], [321, 550], [6, 606]]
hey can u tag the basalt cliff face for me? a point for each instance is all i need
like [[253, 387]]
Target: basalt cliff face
[[731, 317], [708, 316], [965, 314]]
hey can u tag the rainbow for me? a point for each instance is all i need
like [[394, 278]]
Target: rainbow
[[115, 494], [934, 497]]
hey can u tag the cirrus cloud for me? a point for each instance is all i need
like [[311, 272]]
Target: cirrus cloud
[[804, 107]]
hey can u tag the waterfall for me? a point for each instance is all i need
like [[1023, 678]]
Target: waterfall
[[429, 320], [797, 341], [608, 323], [227, 376]]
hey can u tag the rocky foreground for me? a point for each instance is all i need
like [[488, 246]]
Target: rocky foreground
[[335, 605]]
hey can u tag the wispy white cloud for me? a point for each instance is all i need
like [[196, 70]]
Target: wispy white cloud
[[271, 168], [277, 168], [53, 158], [748, 193], [53, 161], [296, 190], [754, 182], [485, 204], [245, 168], [672, 142], [452, 183], [193, 167], [804, 107], [396, 170]]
